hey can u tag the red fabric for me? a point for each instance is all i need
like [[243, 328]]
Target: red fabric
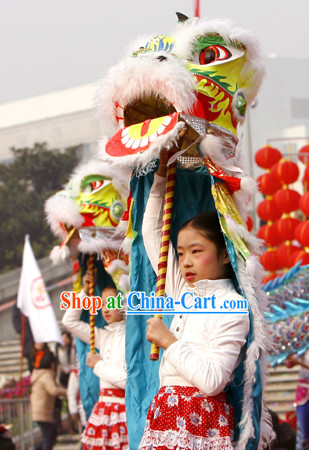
[[38, 356], [233, 183], [106, 427], [183, 417]]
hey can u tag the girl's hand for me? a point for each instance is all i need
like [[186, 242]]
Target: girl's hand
[[291, 361], [165, 155], [158, 333], [92, 359], [89, 278]]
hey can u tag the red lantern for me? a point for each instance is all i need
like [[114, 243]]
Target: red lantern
[[285, 172], [306, 178], [267, 156], [249, 223], [303, 154], [270, 235], [302, 234], [267, 184], [287, 200], [268, 211], [284, 253], [302, 256], [297, 231], [269, 260], [286, 228], [293, 258], [304, 203]]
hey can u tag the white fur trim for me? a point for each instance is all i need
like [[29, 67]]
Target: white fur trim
[[59, 254], [257, 350], [117, 264], [98, 246], [121, 228], [119, 178], [254, 244], [127, 246], [60, 209], [243, 196], [124, 283], [135, 78]]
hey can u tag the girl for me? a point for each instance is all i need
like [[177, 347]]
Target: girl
[[43, 393], [190, 410], [106, 427]]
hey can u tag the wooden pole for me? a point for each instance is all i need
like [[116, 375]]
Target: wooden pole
[[165, 238], [91, 316]]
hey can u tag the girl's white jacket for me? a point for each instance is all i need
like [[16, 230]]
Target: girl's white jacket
[[110, 341], [208, 346]]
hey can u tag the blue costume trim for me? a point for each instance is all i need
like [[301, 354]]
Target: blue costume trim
[[89, 384]]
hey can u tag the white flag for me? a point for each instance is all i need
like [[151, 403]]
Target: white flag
[[34, 301]]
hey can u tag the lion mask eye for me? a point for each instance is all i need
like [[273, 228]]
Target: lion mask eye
[[214, 53]]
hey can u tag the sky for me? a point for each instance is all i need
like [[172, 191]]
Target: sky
[[51, 45]]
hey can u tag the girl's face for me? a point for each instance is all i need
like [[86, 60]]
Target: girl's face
[[110, 315], [198, 257], [66, 341]]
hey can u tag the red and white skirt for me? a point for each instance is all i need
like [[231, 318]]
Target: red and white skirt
[[106, 428], [182, 417]]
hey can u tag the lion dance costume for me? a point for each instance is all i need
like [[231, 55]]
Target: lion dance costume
[[202, 77]]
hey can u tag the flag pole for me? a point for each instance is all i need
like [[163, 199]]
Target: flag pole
[[197, 8], [22, 349]]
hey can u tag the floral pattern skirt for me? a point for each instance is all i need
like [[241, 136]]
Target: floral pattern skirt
[[182, 417], [106, 428]]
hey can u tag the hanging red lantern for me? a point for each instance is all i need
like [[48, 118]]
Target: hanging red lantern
[[302, 256], [269, 260], [267, 184], [284, 253], [303, 154], [267, 156], [306, 179], [249, 223], [293, 258], [297, 231], [268, 211], [304, 203], [270, 235], [286, 228], [287, 200], [302, 233], [285, 172]]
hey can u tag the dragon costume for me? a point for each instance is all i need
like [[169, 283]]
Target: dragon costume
[[202, 77], [88, 212]]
